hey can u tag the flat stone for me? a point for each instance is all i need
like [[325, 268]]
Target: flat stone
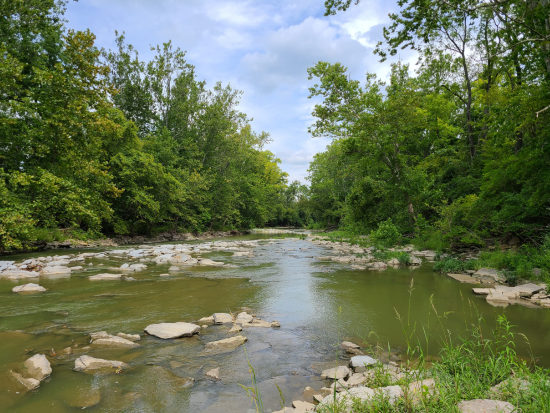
[[356, 379], [163, 375], [348, 344], [485, 406], [28, 288], [114, 341], [258, 323], [38, 367], [56, 270], [131, 337], [482, 291], [309, 393], [303, 407], [99, 334], [105, 276], [489, 272], [19, 275], [206, 320], [464, 278], [336, 373], [213, 374], [360, 363], [227, 344], [90, 363], [222, 318], [527, 290], [172, 330]]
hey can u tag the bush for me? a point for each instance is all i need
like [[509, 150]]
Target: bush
[[386, 235], [453, 265]]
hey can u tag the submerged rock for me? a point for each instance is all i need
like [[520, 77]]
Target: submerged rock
[[131, 337], [90, 363], [172, 330], [213, 374], [28, 383], [114, 341], [162, 375], [28, 288]]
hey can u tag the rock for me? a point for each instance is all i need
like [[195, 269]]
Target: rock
[[348, 344], [204, 326], [490, 273], [336, 373], [464, 278], [415, 260], [482, 291], [360, 363], [131, 337], [226, 344], [527, 290], [114, 341], [67, 351], [78, 268], [105, 276], [206, 320], [29, 384], [210, 263], [19, 275], [172, 330], [275, 324], [84, 399], [485, 406], [356, 379], [509, 387], [394, 261], [90, 363], [56, 270], [38, 367], [98, 335], [222, 318], [302, 407], [309, 393], [163, 375], [176, 364], [358, 267], [258, 323], [213, 374], [244, 318], [173, 268], [354, 352], [28, 288], [420, 389], [235, 329]]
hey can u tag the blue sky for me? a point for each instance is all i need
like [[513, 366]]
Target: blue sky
[[262, 47]]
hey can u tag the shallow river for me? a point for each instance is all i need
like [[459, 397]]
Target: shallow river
[[316, 303]]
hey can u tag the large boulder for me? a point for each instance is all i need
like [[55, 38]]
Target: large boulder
[[38, 367], [172, 330], [28, 288], [90, 363]]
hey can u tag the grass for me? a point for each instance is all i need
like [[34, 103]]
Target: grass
[[468, 367], [385, 256]]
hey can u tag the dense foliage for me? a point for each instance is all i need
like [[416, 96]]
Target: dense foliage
[[458, 150], [103, 142]]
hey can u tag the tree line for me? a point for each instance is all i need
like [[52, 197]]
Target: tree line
[[102, 142], [455, 151]]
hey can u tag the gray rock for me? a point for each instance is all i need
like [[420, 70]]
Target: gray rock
[[172, 330], [131, 337], [348, 344], [485, 406], [244, 318], [235, 329], [336, 373], [38, 367], [114, 341], [56, 270], [28, 288], [302, 407], [222, 318], [360, 363], [414, 260], [490, 273], [226, 344], [527, 290], [206, 320], [90, 363]]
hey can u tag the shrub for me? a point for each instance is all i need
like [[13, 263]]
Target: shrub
[[386, 235]]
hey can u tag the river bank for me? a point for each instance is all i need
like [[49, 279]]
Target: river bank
[[274, 277]]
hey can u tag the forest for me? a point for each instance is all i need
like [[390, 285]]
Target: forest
[[99, 142], [454, 149], [451, 150]]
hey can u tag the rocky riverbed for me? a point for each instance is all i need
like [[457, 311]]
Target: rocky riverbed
[[163, 327]]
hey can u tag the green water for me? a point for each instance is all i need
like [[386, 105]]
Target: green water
[[316, 303]]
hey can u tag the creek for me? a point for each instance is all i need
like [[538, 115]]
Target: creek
[[317, 304]]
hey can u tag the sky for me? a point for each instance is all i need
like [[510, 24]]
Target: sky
[[261, 47]]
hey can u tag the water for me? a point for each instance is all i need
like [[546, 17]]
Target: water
[[317, 304]]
